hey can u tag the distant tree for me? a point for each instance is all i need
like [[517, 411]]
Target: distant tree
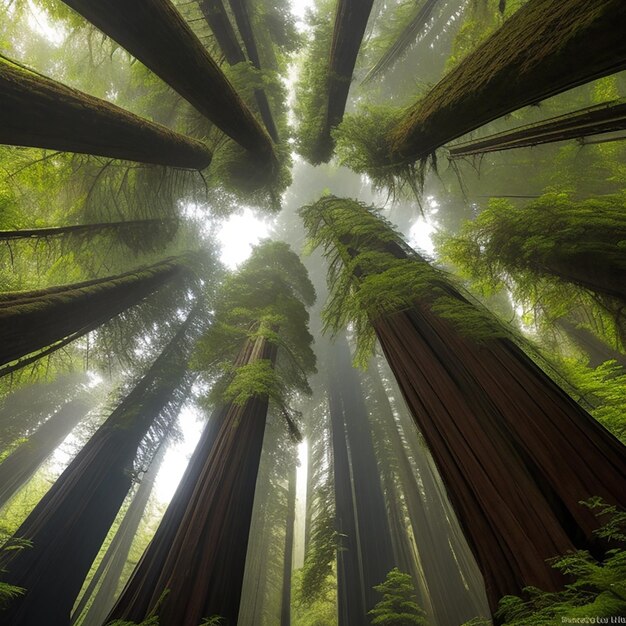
[[398, 606]]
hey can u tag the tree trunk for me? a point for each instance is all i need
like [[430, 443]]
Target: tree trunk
[[105, 581], [204, 564], [42, 113], [285, 611], [33, 320], [240, 11], [70, 523], [472, 404], [601, 118], [174, 53], [403, 41], [25, 460], [547, 46], [374, 543], [85, 229]]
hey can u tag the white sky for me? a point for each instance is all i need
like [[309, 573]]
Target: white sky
[[238, 234]]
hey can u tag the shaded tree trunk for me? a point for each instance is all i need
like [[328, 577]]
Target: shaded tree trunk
[[601, 118], [70, 523], [174, 53], [548, 46], [26, 459], [33, 320], [42, 113], [105, 581]]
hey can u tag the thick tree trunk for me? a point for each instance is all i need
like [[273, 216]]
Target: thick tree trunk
[[601, 118], [173, 52], [25, 460], [544, 48], [70, 523], [33, 320], [285, 610], [516, 453], [106, 579], [42, 113], [204, 562]]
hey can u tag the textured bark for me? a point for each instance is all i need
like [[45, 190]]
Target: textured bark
[[33, 320], [350, 22], [105, 581], [174, 53], [135, 600], [285, 611], [70, 523], [42, 113], [26, 459], [204, 562], [84, 229], [516, 453], [546, 47], [601, 118]]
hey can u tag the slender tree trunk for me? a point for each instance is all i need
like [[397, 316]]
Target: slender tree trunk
[[403, 41], [70, 523], [219, 23], [350, 592], [285, 611], [374, 547], [84, 229], [26, 459], [601, 118], [33, 320], [173, 52], [42, 113], [547, 45]]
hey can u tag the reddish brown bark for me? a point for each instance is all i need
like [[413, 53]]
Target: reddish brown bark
[[516, 453], [42, 113]]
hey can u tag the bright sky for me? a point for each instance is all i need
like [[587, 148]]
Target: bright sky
[[238, 234]]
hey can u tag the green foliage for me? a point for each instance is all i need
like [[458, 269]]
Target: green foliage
[[8, 592], [214, 620], [399, 604], [150, 621], [373, 273], [363, 143], [604, 389], [265, 299]]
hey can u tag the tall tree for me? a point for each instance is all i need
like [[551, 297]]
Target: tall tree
[[43, 113], [70, 523], [261, 320], [471, 390]]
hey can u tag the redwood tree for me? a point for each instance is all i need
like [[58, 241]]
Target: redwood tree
[[260, 322], [516, 453]]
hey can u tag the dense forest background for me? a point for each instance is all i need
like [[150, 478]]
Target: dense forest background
[[312, 313]]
